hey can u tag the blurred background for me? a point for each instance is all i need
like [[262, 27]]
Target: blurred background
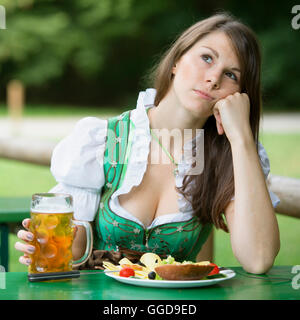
[[63, 60], [96, 53]]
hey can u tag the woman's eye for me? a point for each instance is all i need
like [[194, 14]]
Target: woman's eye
[[207, 58], [231, 75]]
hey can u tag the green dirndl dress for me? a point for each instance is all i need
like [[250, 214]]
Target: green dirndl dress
[[182, 240]]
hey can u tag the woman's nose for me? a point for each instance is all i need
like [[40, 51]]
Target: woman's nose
[[213, 79]]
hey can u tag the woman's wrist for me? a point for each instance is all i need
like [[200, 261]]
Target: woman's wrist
[[244, 139]]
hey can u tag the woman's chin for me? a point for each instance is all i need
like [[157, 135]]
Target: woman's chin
[[199, 110]]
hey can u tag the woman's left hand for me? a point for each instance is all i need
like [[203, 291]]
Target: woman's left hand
[[232, 116]]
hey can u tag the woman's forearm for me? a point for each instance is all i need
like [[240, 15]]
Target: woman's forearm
[[254, 230]]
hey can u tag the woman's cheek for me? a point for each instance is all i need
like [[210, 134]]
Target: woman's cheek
[[232, 89]]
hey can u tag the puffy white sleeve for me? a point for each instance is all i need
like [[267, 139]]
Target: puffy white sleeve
[[265, 164], [77, 165]]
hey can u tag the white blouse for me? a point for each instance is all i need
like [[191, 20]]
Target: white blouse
[[77, 165]]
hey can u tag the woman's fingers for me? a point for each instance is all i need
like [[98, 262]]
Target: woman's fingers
[[25, 260], [26, 248], [25, 235], [220, 128], [218, 122], [26, 223]]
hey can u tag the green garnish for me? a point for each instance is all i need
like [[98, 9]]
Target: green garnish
[[169, 260], [157, 277]]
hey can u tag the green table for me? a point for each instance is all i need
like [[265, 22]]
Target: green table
[[12, 210], [275, 285]]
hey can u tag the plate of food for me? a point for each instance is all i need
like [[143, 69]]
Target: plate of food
[[152, 271]]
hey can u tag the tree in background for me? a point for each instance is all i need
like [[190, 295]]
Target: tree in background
[[98, 51]]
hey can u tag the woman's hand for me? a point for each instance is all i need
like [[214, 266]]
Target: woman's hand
[[232, 116], [26, 247]]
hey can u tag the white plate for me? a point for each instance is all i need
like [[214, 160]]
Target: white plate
[[172, 284]]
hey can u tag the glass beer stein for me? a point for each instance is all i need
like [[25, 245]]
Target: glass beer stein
[[52, 225]]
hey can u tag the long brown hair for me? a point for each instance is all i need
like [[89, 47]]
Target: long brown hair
[[214, 188]]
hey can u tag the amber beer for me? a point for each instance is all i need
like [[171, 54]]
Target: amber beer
[[53, 237], [52, 225]]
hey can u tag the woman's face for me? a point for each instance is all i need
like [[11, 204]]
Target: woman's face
[[206, 73]]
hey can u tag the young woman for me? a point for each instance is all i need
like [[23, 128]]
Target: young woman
[[209, 79]]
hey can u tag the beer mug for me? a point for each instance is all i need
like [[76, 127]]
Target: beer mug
[[52, 225]]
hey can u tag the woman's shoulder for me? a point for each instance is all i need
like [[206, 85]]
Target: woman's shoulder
[[90, 123], [87, 132]]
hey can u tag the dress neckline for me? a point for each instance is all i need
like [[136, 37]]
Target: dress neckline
[[157, 221], [136, 171]]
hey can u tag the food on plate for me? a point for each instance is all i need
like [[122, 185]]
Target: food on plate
[[140, 272], [190, 271], [127, 272], [152, 267], [215, 270], [150, 260], [152, 275]]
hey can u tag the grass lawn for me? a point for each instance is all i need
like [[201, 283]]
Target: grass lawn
[[21, 179]]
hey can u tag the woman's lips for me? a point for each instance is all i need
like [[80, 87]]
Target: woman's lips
[[203, 94]]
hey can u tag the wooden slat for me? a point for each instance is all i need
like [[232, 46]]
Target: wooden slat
[[36, 152], [288, 191]]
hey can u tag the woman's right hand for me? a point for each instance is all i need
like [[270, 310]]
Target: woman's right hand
[[26, 247]]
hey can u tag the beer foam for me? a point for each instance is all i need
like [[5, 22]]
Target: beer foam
[[51, 210]]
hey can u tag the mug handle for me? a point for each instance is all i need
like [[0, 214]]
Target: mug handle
[[89, 242]]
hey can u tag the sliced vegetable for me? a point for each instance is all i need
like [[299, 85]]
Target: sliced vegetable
[[150, 260], [215, 270], [127, 272]]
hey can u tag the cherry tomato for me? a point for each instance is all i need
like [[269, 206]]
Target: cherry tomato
[[127, 272], [215, 270]]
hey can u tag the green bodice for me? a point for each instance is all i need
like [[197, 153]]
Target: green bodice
[[183, 240]]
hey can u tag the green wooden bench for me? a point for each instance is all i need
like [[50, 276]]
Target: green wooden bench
[[12, 211]]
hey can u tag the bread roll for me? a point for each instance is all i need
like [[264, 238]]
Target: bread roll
[[183, 271]]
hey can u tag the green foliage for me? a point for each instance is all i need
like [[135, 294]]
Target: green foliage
[[98, 51], [281, 70]]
